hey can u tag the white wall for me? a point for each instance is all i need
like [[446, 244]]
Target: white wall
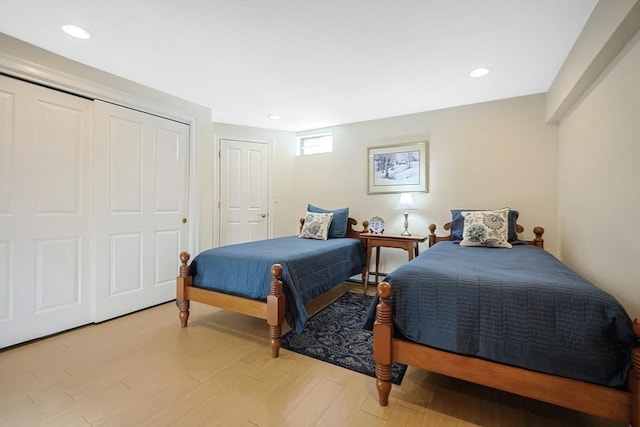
[[599, 181]]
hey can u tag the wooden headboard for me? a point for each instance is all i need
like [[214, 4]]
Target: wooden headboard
[[537, 241]]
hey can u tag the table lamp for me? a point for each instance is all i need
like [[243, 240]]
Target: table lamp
[[405, 204]]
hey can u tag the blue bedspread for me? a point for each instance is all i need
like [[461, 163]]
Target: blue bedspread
[[309, 268], [518, 306]]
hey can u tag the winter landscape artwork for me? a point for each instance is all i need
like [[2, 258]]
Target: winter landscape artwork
[[398, 168]]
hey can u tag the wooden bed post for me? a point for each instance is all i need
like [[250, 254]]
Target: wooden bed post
[[382, 336], [275, 309], [365, 229], [182, 282], [538, 240], [634, 379], [432, 234]]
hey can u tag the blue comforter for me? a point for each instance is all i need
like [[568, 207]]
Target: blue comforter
[[309, 268], [518, 306]]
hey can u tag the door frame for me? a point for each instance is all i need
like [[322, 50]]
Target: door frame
[[216, 182]]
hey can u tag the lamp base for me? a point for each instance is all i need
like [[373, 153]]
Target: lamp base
[[406, 225]]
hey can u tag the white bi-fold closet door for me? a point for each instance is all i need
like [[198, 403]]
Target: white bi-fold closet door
[[45, 211], [92, 202], [141, 195]]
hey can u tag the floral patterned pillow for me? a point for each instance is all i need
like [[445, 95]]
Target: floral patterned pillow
[[486, 228], [316, 225]]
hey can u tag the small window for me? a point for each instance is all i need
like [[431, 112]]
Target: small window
[[314, 144]]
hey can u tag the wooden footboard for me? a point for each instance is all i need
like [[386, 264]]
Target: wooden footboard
[[272, 310], [613, 404]]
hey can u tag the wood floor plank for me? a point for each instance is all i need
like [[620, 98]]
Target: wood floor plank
[[281, 393], [314, 404], [405, 416], [346, 407], [364, 419]]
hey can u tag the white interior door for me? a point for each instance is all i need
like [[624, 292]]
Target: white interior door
[[141, 206], [45, 211], [244, 191]]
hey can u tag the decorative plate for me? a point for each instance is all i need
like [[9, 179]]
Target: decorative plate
[[376, 224]]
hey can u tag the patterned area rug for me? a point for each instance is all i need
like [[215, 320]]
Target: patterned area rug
[[335, 335]]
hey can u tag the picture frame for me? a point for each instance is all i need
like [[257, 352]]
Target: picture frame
[[399, 168]]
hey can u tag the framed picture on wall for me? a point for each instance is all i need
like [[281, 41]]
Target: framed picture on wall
[[401, 168]]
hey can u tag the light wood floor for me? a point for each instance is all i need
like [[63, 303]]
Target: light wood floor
[[144, 370]]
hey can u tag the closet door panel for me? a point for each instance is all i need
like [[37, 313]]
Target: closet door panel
[[125, 259], [6, 294], [141, 195], [7, 100], [6, 140], [125, 165], [166, 244], [167, 171], [58, 162], [45, 211], [57, 281]]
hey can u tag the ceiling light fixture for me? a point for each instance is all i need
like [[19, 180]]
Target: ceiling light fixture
[[274, 116], [75, 31], [479, 72]]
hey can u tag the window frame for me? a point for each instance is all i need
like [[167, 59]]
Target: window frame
[[300, 147]]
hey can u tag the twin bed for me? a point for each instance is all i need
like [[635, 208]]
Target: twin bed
[[513, 319], [271, 279]]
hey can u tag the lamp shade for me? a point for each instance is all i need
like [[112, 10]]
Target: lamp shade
[[406, 202]]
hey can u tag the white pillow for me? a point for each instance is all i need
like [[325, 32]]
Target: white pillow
[[316, 225], [486, 228]]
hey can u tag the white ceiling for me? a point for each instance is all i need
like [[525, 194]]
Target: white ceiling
[[317, 63]]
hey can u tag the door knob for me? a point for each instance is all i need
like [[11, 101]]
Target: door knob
[[184, 220], [263, 215]]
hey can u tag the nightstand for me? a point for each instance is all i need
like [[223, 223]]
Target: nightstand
[[372, 240]]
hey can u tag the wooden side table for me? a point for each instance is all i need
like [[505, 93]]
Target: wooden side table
[[372, 240]]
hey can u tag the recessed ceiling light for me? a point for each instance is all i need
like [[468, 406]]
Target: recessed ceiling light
[[75, 31], [479, 72], [274, 116]]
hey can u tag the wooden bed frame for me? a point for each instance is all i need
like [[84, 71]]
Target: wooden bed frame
[[610, 403], [272, 310]]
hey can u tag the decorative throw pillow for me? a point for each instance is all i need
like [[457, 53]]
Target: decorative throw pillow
[[457, 225], [486, 228], [316, 225], [338, 227]]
